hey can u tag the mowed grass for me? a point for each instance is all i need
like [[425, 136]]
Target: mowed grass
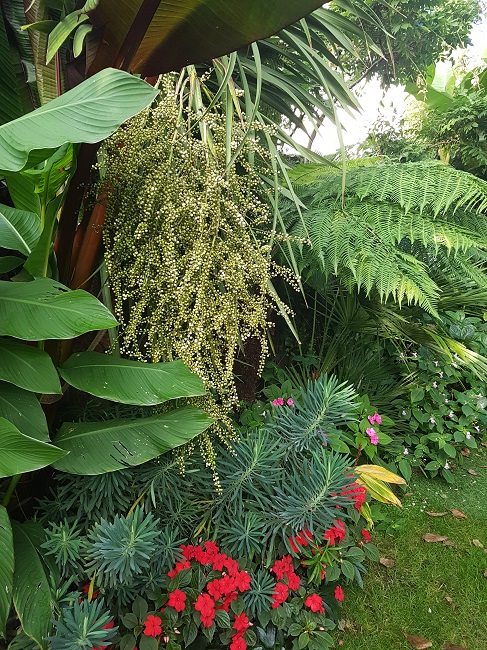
[[411, 597]]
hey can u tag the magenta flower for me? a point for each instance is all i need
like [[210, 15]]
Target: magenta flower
[[290, 402], [372, 435]]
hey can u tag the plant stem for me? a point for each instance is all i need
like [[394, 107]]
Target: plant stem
[[13, 484]]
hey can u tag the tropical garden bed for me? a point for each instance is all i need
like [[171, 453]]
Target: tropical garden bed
[[230, 374]]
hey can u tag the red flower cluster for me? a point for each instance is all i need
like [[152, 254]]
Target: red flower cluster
[[284, 569], [152, 626], [240, 625], [224, 589], [302, 539], [335, 533], [177, 599], [355, 492], [339, 595], [366, 535], [315, 603]]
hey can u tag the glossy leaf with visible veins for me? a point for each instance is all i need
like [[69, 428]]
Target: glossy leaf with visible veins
[[191, 31]]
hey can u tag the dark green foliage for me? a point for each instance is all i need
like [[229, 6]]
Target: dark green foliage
[[420, 33], [260, 593], [82, 627], [121, 549], [65, 543]]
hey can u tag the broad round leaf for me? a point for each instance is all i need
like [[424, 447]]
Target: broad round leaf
[[99, 447], [19, 230], [9, 263], [90, 112], [130, 382], [31, 592], [28, 367], [19, 453], [6, 568], [193, 31], [45, 309], [23, 410]]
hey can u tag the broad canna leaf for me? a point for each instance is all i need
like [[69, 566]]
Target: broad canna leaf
[[19, 453], [23, 410], [190, 31], [31, 592], [9, 263], [378, 490], [19, 230], [28, 367], [99, 447], [89, 113], [130, 382], [378, 472], [45, 309], [6, 568]]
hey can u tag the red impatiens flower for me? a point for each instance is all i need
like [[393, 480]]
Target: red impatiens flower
[[282, 567], [211, 547], [241, 623], [302, 539], [207, 619], [242, 581], [335, 533], [185, 564], [204, 604], [315, 603], [366, 535], [238, 643], [280, 594], [152, 626], [293, 581], [177, 600], [339, 595], [355, 492]]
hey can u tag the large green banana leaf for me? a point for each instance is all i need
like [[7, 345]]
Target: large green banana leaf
[[31, 592], [130, 382], [23, 410], [45, 309], [6, 568], [89, 113], [19, 453], [189, 31], [99, 447], [19, 230], [28, 367]]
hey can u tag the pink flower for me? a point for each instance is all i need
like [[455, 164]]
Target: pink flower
[[290, 402], [374, 419], [280, 401], [373, 436], [275, 402]]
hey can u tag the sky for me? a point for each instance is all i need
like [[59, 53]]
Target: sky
[[375, 102]]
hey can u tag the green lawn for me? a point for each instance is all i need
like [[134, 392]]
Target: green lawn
[[411, 596]]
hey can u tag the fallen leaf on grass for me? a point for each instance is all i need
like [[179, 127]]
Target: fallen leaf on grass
[[485, 550], [477, 542], [450, 600], [430, 537], [387, 561], [448, 542], [483, 467], [452, 646], [484, 444], [485, 573], [473, 472], [465, 452], [408, 494], [418, 642], [436, 514], [458, 514]]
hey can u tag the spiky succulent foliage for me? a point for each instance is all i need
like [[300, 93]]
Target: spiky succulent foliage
[[267, 495], [323, 406], [82, 627], [395, 227], [260, 593], [65, 543], [121, 549]]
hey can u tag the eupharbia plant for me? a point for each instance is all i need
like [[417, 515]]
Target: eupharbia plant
[[188, 239]]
